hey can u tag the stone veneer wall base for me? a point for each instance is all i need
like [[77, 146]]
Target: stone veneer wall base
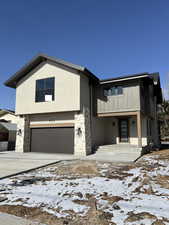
[[82, 135], [23, 135]]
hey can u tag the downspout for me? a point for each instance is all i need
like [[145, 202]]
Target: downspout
[[91, 110]]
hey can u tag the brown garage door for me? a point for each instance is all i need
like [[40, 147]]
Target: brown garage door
[[52, 140]]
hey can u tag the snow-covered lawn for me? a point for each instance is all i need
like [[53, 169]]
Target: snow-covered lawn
[[124, 194]]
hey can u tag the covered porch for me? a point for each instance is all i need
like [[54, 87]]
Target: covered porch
[[123, 129]]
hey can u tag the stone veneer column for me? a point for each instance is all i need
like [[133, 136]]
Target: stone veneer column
[[23, 135], [82, 139]]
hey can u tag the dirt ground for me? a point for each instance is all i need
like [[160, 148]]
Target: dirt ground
[[95, 215]]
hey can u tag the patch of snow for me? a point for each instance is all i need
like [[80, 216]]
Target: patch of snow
[[140, 222], [58, 196], [61, 194], [163, 171]]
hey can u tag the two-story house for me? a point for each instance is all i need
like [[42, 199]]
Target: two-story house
[[64, 108]]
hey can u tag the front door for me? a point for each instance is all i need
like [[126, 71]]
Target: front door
[[123, 130]]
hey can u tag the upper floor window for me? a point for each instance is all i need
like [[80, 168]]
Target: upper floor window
[[116, 90], [45, 90]]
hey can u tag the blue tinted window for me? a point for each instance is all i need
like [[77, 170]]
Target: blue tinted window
[[120, 90], [116, 90], [44, 87], [40, 84], [113, 91]]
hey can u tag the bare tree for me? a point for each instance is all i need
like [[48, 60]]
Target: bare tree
[[164, 119], [163, 113], [166, 87]]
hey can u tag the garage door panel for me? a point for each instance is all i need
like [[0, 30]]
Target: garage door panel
[[52, 140]]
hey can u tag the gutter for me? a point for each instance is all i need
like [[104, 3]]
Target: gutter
[[122, 79]]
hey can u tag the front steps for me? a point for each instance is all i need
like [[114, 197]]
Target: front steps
[[118, 147]]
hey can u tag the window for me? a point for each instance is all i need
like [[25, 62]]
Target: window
[[120, 90], [116, 90], [45, 90]]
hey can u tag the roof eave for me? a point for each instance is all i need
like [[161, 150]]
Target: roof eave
[[91, 75], [125, 78], [12, 81]]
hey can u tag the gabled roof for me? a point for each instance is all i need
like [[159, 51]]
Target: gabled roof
[[13, 80], [5, 111]]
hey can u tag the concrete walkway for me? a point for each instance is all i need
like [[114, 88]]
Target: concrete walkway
[[12, 163], [14, 220], [118, 157], [116, 153]]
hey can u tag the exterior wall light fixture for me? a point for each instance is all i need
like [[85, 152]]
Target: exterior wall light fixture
[[133, 122], [79, 131], [19, 132]]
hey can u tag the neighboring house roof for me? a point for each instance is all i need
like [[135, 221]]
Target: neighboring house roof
[[9, 126], [12, 81], [5, 111]]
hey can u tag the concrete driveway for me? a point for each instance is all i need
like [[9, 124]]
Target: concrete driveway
[[12, 163]]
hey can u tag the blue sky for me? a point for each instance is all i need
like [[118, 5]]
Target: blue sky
[[111, 38]]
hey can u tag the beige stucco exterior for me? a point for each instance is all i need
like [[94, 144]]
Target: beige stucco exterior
[[67, 91], [84, 92], [71, 106]]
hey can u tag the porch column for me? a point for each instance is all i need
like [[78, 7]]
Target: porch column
[[139, 133]]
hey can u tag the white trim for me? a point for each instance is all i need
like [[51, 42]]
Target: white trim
[[123, 79]]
